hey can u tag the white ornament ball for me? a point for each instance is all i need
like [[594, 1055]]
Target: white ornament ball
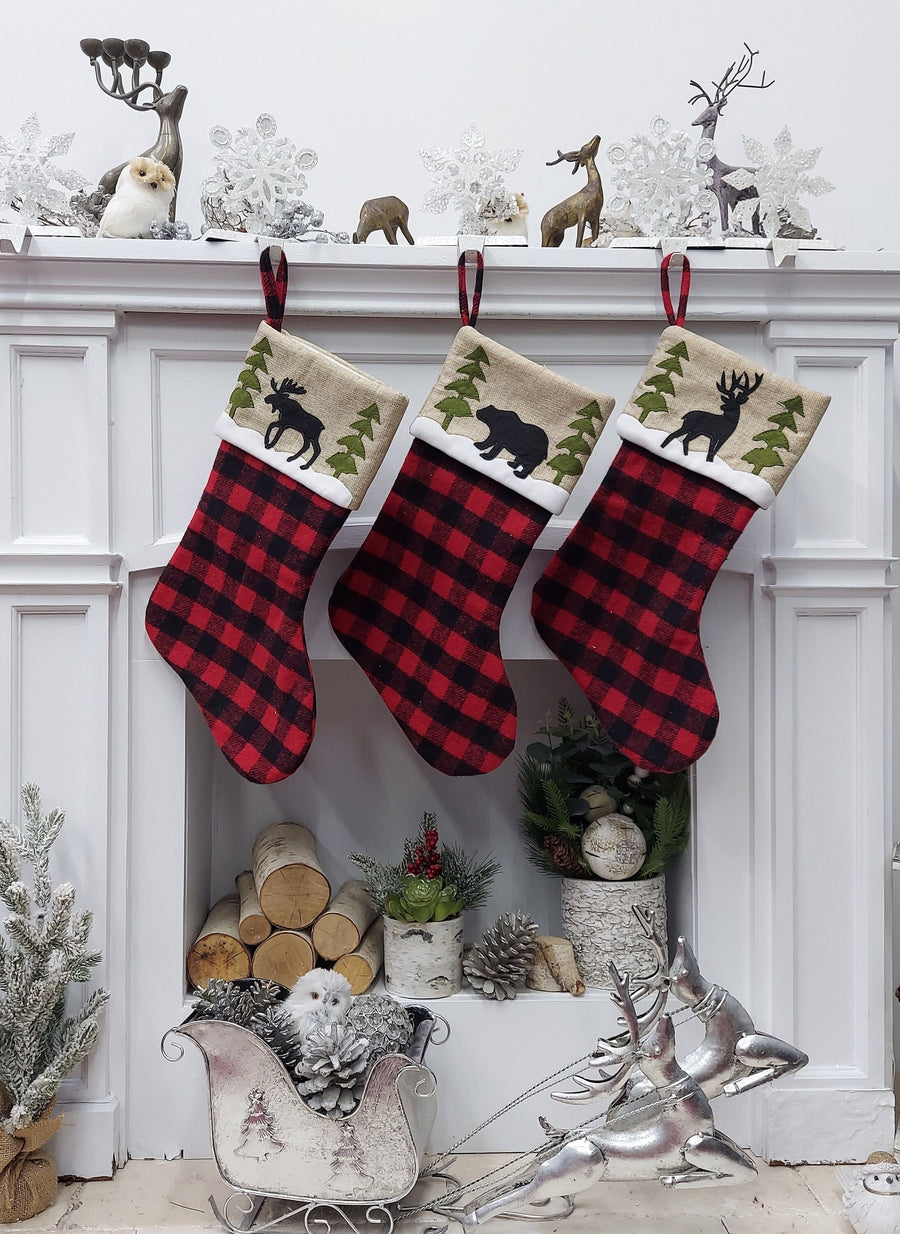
[[614, 847]]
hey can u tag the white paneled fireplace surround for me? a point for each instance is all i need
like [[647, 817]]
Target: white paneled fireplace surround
[[119, 356]]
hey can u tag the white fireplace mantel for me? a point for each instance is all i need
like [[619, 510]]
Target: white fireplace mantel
[[118, 355]]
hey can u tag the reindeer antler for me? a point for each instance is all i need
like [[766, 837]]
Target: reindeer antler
[[610, 1053], [572, 156], [734, 77]]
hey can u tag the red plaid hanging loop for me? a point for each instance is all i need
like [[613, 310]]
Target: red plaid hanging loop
[[675, 319], [469, 317], [274, 285]]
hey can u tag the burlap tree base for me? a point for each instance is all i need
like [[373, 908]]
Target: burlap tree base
[[27, 1174]]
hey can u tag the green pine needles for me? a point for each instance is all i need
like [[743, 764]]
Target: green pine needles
[[248, 378], [45, 948], [463, 388], [577, 447], [579, 754], [775, 438], [661, 382], [343, 462]]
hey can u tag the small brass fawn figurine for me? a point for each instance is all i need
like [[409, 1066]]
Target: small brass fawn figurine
[[133, 54], [583, 208], [387, 214]]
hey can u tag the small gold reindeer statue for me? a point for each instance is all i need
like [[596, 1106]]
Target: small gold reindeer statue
[[582, 208]]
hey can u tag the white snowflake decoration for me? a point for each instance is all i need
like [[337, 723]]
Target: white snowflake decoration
[[780, 177], [472, 179], [662, 181], [257, 174], [33, 189]]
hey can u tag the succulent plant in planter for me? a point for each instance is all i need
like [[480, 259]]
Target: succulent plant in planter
[[609, 829], [422, 899]]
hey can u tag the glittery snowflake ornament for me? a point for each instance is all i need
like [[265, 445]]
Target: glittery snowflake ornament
[[662, 181], [780, 176], [257, 175], [33, 189], [471, 178]]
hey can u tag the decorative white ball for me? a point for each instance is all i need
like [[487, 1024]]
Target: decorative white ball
[[614, 847]]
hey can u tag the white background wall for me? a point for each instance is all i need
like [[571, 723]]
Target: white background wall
[[368, 84]]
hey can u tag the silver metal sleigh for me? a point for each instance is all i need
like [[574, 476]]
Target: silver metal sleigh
[[269, 1144]]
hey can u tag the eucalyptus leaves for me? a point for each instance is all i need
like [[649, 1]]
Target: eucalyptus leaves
[[433, 882]]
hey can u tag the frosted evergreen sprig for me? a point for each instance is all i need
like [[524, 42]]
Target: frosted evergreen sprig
[[44, 949]]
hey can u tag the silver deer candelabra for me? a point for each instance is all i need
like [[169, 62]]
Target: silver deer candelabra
[[658, 1122], [131, 55]]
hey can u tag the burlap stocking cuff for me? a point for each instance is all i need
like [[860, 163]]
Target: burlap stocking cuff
[[511, 419], [312, 416], [718, 414]]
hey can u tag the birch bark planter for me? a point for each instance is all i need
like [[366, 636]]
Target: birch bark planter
[[599, 923], [423, 961]]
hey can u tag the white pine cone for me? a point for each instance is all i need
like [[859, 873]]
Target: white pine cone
[[503, 958], [333, 1055]]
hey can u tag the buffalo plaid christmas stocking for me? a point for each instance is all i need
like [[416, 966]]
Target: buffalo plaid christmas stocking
[[498, 447], [708, 438], [302, 437]]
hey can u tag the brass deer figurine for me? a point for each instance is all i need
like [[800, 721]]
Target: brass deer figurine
[[583, 208], [387, 214]]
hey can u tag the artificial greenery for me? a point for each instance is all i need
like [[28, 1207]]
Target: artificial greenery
[[577, 755], [46, 948], [433, 882]]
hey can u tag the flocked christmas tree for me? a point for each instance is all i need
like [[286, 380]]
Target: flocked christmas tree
[[463, 388], [580, 443], [248, 377], [775, 438], [343, 462], [661, 382], [46, 948]]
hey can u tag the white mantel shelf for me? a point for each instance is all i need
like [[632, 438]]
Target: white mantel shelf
[[118, 356], [386, 281]]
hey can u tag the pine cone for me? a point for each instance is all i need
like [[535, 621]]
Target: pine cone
[[331, 1068], [503, 957], [384, 1022], [275, 1027], [235, 1001], [564, 856]]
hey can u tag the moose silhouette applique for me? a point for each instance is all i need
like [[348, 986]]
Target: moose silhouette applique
[[527, 443], [715, 426], [290, 415]]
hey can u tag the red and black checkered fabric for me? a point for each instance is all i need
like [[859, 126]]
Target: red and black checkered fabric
[[620, 604], [419, 608], [227, 612]]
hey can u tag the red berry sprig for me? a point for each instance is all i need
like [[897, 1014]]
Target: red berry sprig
[[426, 859]]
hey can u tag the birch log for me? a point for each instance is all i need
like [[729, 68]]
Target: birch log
[[291, 886], [341, 927], [219, 950], [254, 924], [540, 977], [362, 966], [284, 956], [560, 960]]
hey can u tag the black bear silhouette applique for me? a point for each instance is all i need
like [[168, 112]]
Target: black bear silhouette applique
[[290, 414], [527, 443]]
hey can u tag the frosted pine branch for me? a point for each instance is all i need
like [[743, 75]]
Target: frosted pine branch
[[45, 950]]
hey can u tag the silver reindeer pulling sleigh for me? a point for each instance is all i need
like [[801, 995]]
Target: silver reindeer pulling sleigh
[[657, 1123]]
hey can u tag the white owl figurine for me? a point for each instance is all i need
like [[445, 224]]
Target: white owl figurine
[[144, 192], [319, 996], [871, 1200]]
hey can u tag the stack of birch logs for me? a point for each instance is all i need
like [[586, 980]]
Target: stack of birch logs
[[283, 919]]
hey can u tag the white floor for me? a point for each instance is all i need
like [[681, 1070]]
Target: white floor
[[173, 1196]]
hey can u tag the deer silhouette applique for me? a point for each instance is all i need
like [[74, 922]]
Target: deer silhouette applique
[[713, 425], [289, 414]]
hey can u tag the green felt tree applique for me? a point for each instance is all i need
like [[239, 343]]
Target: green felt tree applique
[[463, 387], [343, 462], [775, 438], [248, 378], [580, 443], [661, 382]]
